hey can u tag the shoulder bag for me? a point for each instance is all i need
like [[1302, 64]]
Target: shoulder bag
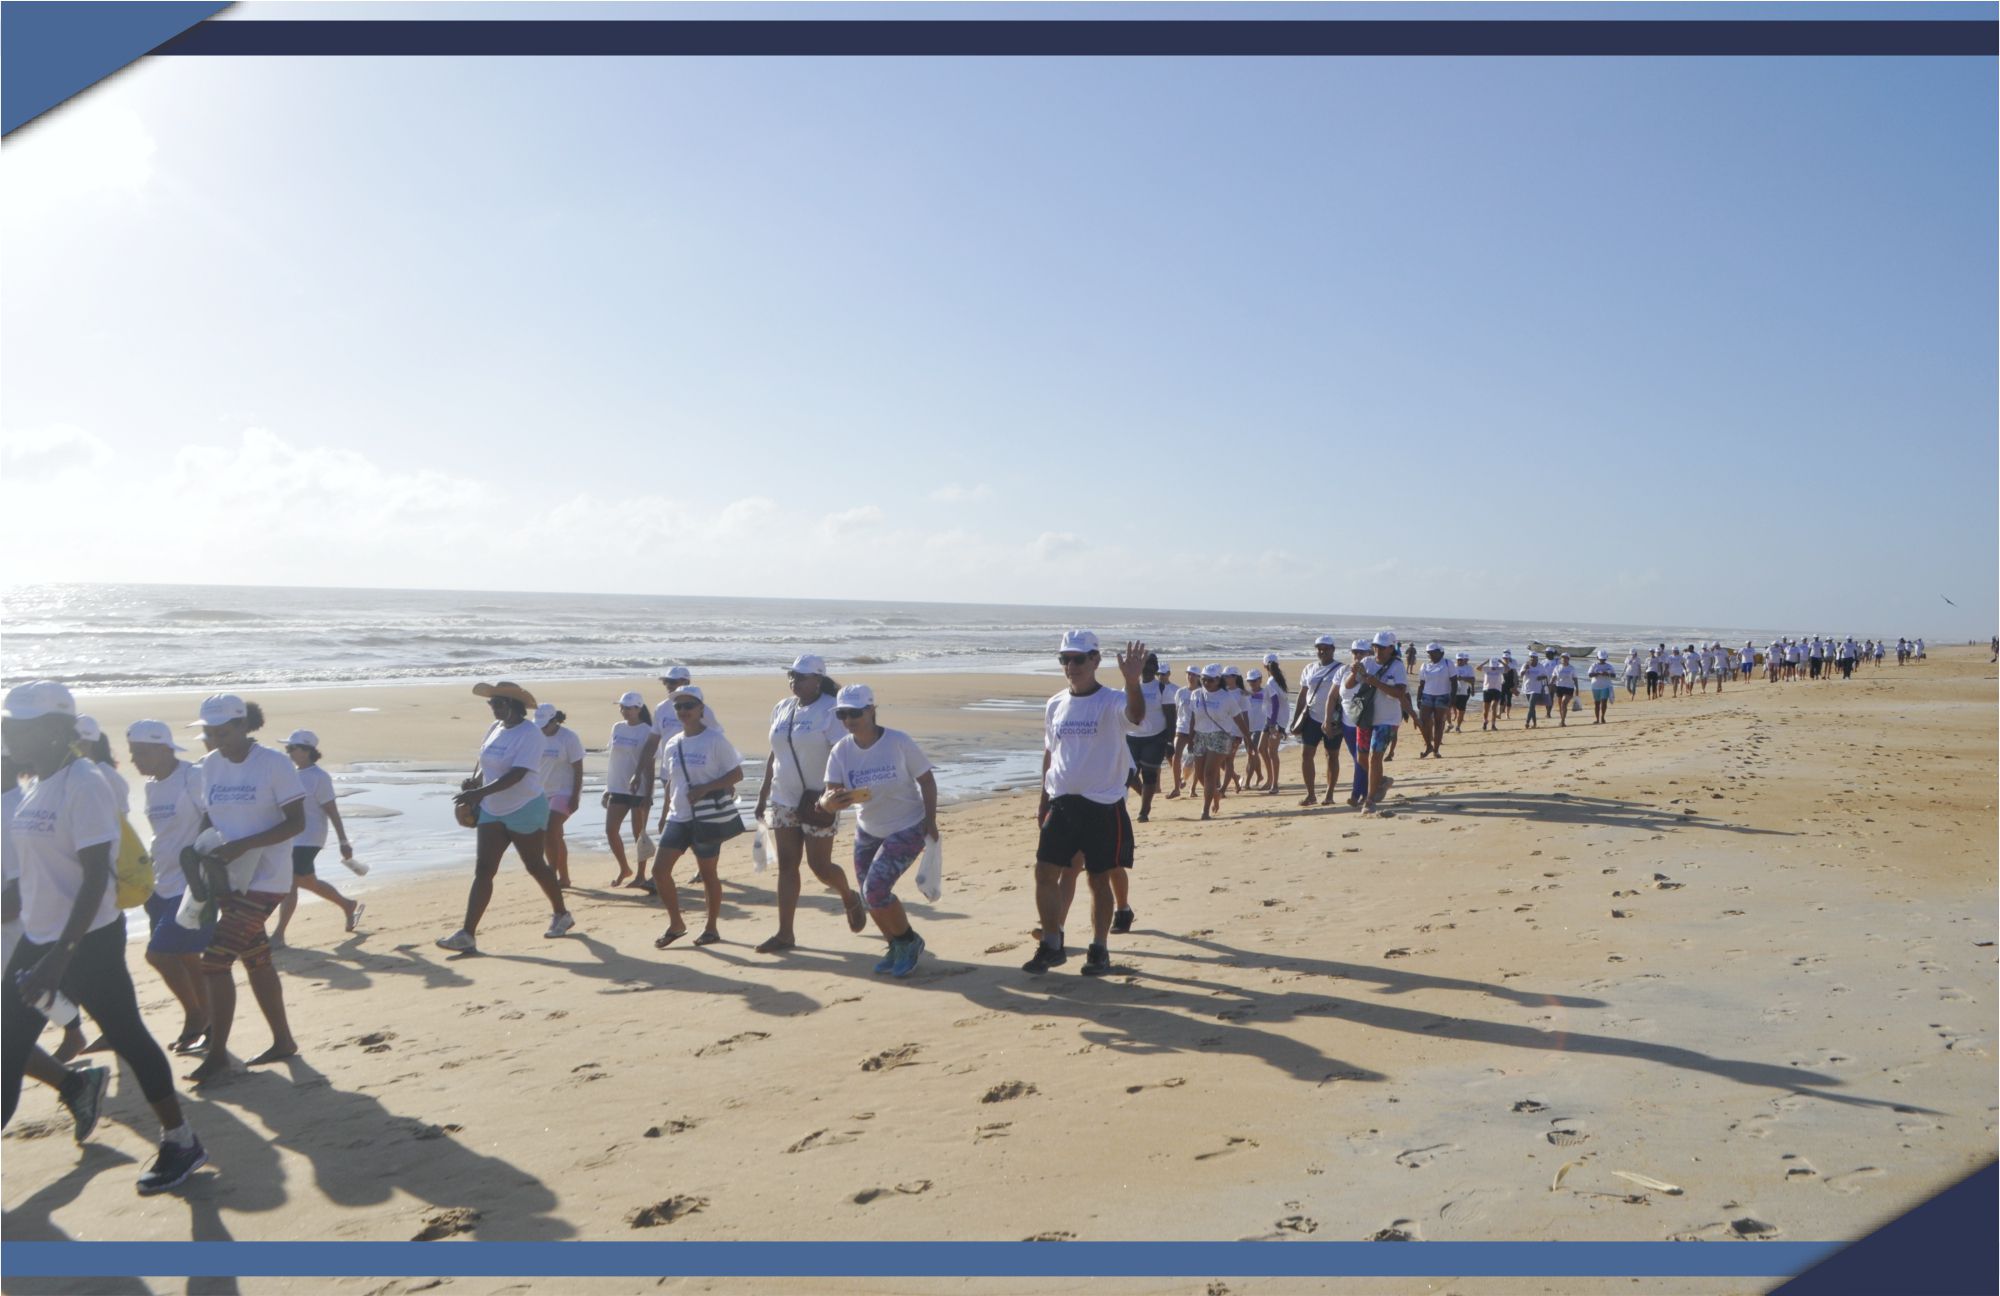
[[807, 812], [716, 817]]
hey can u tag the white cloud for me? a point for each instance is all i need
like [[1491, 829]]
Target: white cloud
[[854, 521], [953, 493], [87, 147], [39, 454], [1050, 545]]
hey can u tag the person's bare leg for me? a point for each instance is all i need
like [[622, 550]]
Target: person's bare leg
[[891, 920], [1102, 903], [490, 845], [1306, 763], [270, 996], [711, 893], [1121, 887], [285, 908], [46, 1069], [663, 884], [528, 846], [613, 817], [558, 848], [184, 980], [221, 1019], [1050, 904], [324, 890], [791, 843]]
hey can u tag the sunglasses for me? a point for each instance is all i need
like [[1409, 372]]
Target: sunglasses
[[1072, 659], [849, 713], [687, 706]]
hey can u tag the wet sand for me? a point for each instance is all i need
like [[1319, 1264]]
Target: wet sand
[[1739, 945]]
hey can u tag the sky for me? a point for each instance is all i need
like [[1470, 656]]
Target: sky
[[1606, 340]]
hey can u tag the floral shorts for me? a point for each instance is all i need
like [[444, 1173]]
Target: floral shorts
[[783, 816]]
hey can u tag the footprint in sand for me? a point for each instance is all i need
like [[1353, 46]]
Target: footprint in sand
[[1009, 1090], [1853, 1181], [665, 1212], [1172, 1082], [890, 1059], [373, 1042], [427, 1132], [446, 1223], [1799, 1169], [680, 1126], [867, 1195], [823, 1138], [1298, 1224], [1401, 1230], [998, 1129], [734, 1041], [1236, 1144], [1053, 1235], [1418, 1158], [1530, 1105]]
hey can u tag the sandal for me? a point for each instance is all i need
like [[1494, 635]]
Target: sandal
[[707, 938], [669, 938], [777, 945], [857, 916]]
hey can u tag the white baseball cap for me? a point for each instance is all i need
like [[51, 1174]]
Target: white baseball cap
[[1078, 641], [1602, 655], [152, 731], [1254, 674], [676, 673], [32, 701], [631, 697], [1166, 667], [809, 664], [687, 691], [1212, 671], [1325, 641], [1270, 659], [1359, 645], [544, 713], [852, 697], [303, 738], [88, 729], [219, 710], [1433, 646], [1465, 656], [1506, 654], [1385, 639]]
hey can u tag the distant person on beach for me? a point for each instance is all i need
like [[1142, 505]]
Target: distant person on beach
[[512, 811], [1535, 684], [1277, 720], [1214, 719], [79, 1089], [699, 765], [628, 782], [1511, 684], [1379, 691], [1170, 716], [1633, 669], [1186, 763], [63, 833], [561, 774], [1463, 680], [1493, 672], [1310, 722], [1676, 672], [1257, 718], [1232, 683], [1562, 680], [1603, 684], [175, 800], [252, 795], [679, 677], [1434, 689], [804, 729], [886, 777], [1082, 809], [321, 811], [1148, 742]]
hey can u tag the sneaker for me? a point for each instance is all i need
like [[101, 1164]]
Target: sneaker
[[907, 956], [83, 1096], [1046, 957], [1097, 962], [171, 1168], [1121, 920], [561, 925], [888, 963], [460, 940]]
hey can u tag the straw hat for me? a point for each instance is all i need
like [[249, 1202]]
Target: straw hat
[[506, 689]]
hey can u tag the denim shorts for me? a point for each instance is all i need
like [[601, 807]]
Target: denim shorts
[[530, 818], [1381, 736], [1433, 701]]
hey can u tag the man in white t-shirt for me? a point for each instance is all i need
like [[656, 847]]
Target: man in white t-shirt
[[1082, 809], [1376, 716], [1309, 720]]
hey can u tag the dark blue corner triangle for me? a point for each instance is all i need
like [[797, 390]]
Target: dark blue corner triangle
[[1944, 1247], [52, 49]]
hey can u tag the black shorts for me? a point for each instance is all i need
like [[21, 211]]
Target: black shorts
[[1458, 701], [1076, 825], [1565, 690], [1652, 677], [1492, 695], [628, 799], [302, 860], [1148, 753], [1312, 733]]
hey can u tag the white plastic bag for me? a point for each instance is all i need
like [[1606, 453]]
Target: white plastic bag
[[930, 871], [645, 846], [760, 849]]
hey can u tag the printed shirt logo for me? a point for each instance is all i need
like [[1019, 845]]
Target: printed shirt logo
[[232, 794]]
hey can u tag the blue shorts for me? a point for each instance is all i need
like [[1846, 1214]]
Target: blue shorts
[[1433, 701], [530, 818], [1380, 737], [1602, 692], [169, 937]]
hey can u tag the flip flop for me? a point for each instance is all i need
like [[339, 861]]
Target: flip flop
[[354, 918], [857, 915], [707, 938], [669, 938]]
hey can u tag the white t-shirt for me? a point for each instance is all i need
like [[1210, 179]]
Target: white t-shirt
[[508, 748], [1319, 682], [1434, 677], [174, 808], [72, 809], [810, 731], [244, 799], [119, 787], [1632, 666], [1156, 719], [627, 742], [1563, 676], [1085, 739], [889, 768], [1496, 673], [10, 862], [1534, 678], [1674, 665], [1463, 677], [1256, 710], [1388, 710], [1210, 712], [703, 758], [1281, 706], [319, 791], [560, 753], [1603, 673]]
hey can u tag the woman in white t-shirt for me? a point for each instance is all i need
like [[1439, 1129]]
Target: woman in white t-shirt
[[174, 808], [885, 775], [513, 811], [1233, 685], [628, 783], [253, 797], [91, 742], [803, 732], [63, 833], [321, 811], [698, 763], [562, 783]]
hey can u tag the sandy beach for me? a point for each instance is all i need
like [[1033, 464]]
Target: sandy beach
[[1739, 944]]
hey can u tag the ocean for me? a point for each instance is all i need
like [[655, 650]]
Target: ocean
[[129, 638]]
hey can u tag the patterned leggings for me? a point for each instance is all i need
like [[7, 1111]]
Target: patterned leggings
[[879, 861]]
